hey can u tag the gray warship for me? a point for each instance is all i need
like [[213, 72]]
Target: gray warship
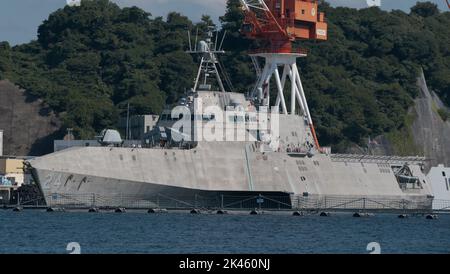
[[282, 167]]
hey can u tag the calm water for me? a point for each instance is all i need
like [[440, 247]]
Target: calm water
[[42, 232]]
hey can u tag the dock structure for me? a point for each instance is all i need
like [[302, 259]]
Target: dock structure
[[269, 203], [228, 202]]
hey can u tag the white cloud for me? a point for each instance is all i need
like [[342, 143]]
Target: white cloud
[[385, 4], [187, 5], [191, 8], [349, 3]]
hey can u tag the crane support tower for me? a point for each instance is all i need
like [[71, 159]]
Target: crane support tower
[[276, 24]]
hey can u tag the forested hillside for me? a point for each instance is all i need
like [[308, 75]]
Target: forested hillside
[[90, 61]]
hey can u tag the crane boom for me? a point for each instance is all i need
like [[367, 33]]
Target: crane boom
[[277, 23], [261, 24]]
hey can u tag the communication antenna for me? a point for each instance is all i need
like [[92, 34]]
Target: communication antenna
[[189, 38], [196, 38], [128, 122], [215, 44], [209, 64], [223, 39]]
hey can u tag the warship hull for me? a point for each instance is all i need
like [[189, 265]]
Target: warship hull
[[224, 174]]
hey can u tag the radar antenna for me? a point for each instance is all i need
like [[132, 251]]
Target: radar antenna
[[209, 64]]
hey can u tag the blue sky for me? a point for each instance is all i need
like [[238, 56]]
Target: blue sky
[[19, 19]]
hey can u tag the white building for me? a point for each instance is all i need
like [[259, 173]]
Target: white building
[[12, 170]]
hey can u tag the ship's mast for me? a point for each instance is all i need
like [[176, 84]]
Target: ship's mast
[[207, 50]]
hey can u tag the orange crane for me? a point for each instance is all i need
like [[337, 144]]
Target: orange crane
[[276, 24], [280, 22]]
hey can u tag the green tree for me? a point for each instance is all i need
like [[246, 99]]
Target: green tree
[[425, 9], [5, 59]]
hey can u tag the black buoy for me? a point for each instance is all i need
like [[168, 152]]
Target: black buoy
[[431, 217], [195, 211], [120, 210], [222, 212], [403, 216], [157, 210], [324, 214], [298, 213], [17, 209], [362, 214], [93, 210], [55, 209]]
